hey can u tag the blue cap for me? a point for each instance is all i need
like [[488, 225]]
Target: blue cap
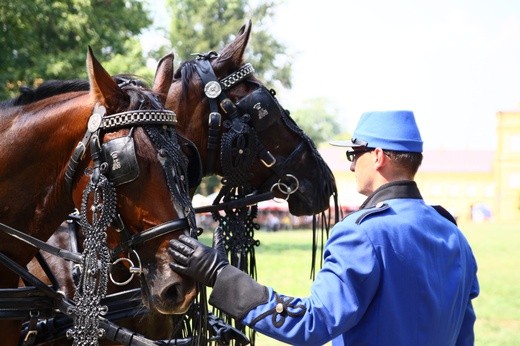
[[391, 130]]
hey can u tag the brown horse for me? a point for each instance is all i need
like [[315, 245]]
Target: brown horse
[[283, 153], [289, 158], [40, 184]]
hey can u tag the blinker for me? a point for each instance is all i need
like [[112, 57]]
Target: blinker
[[122, 161], [263, 108]]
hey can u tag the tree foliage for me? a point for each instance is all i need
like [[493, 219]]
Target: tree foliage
[[317, 120], [199, 26], [44, 39]]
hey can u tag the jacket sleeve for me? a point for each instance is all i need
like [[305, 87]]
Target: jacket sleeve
[[350, 275], [236, 293]]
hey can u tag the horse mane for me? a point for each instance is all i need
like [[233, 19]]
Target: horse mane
[[57, 87], [46, 89]]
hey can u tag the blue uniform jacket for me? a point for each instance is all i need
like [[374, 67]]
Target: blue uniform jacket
[[395, 272]]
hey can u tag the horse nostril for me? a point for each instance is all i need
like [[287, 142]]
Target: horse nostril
[[172, 293]]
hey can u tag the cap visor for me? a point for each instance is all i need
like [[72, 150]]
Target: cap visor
[[345, 144]]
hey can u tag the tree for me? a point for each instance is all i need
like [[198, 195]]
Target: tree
[[318, 120], [199, 26], [43, 39]]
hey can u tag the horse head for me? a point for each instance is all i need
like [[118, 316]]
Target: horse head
[[111, 150], [134, 146], [229, 114]]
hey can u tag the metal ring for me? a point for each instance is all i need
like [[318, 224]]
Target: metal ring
[[277, 199], [133, 270], [286, 189]]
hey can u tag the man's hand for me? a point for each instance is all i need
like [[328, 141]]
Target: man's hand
[[193, 259]]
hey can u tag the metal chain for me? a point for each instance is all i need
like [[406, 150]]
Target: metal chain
[[237, 76], [96, 260], [139, 118]]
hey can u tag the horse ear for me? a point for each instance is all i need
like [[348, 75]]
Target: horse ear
[[163, 76], [103, 88], [234, 52]]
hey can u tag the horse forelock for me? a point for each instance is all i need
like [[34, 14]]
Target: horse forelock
[[125, 78], [185, 74], [140, 98]]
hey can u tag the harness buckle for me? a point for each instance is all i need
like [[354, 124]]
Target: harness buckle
[[228, 106], [30, 337], [268, 160], [215, 119]]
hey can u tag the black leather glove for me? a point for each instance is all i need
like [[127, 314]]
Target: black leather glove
[[193, 259]]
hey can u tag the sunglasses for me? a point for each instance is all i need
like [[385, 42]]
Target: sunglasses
[[353, 154]]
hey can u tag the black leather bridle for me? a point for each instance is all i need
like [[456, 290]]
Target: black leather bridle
[[115, 160], [109, 123], [248, 116]]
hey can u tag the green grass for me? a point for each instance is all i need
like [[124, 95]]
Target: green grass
[[496, 248], [284, 260]]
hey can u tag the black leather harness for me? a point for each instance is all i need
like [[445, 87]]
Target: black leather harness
[[116, 159]]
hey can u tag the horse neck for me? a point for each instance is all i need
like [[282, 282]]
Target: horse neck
[[36, 143]]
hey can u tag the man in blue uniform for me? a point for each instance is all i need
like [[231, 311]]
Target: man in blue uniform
[[396, 272]]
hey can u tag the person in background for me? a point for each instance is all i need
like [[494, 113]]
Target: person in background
[[396, 272]]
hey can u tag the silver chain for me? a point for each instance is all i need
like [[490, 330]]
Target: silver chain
[[237, 76], [139, 118], [96, 261]]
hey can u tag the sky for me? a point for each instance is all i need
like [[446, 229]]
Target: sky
[[454, 63]]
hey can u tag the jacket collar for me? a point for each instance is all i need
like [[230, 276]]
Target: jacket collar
[[392, 190]]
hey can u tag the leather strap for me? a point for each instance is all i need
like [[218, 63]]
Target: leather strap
[[206, 74], [68, 255]]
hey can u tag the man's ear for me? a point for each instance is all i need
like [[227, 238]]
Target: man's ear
[[379, 157]]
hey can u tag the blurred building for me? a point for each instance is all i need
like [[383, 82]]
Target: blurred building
[[476, 185], [507, 167]]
